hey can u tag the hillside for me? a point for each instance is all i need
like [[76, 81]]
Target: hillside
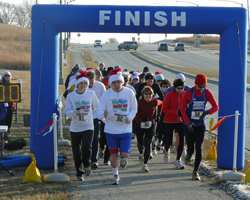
[[15, 45]]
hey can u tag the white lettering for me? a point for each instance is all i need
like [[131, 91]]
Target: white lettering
[[117, 18], [162, 20], [176, 18], [147, 18], [129, 17], [102, 16]]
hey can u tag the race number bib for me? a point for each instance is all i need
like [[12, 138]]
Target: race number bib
[[146, 125], [82, 118], [120, 119], [196, 114]]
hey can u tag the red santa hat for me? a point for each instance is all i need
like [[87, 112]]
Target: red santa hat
[[158, 72], [81, 76], [90, 69], [116, 75]]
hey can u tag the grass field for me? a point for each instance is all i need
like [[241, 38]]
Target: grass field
[[15, 47], [11, 187]]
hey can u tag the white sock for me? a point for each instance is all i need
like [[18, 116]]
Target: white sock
[[115, 171]]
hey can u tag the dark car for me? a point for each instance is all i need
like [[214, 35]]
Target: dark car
[[163, 46], [128, 45], [179, 47]]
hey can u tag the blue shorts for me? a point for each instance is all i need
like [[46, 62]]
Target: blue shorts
[[122, 141]]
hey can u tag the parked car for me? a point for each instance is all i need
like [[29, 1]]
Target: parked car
[[163, 46], [179, 47], [98, 43], [128, 45]]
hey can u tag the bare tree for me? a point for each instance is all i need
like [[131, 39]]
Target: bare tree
[[7, 12], [23, 14], [20, 16]]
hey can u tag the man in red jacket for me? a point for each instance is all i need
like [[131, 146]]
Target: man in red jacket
[[193, 110]]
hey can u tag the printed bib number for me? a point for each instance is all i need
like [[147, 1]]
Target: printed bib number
[[146, 125], [82, 118], [120, 119], [196, 115]]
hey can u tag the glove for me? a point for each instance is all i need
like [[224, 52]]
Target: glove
[[179, 113], [190, 127], [203, 115], [77, 110], [145, 119]]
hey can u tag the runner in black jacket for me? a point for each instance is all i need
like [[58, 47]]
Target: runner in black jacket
[[149, 80]]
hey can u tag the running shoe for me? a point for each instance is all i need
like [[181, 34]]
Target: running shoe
[[166, 157], [145, 168], [195, 176], [80, 178], [107, 163], [154, 152], [123, 162], [115, 180], [141, 158], [151, 156], [158, 147], [94, 166], [184, 153], [178, 165], [162, 148], [88, 171], [100, 155], [187, 160]]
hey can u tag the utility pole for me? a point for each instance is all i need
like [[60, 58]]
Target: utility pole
[[248, 32], [60, 57]]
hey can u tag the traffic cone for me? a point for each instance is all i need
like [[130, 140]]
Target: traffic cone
[[32, 173], [213, 152], [247, 177]]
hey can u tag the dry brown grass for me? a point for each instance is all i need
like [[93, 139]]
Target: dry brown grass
[[204, 40], [15, 47], [88, 60], [11, 187], [213, 163]]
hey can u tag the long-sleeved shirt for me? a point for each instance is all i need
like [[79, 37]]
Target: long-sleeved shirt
[[156, 88], [99, 89], [147, 109], [188, 97], [121, 103], [87, 102]]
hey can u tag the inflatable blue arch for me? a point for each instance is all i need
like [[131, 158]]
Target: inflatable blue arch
[[49, 20]]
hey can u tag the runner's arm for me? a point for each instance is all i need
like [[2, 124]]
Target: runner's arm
[[185, 100]]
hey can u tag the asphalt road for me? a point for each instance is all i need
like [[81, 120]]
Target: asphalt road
[[109, 55], [163, 181]]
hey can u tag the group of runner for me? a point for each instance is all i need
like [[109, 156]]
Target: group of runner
[[108, 106]]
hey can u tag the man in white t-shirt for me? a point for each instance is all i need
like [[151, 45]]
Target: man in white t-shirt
[[118, 106], [99, 89]]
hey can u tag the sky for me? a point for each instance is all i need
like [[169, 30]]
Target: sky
[[90, 37]]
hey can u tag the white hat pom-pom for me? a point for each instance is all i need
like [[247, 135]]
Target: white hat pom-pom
[[119, 73]]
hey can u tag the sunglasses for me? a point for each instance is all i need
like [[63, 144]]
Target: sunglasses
[[201, 86], [7, 75], [147, 93], [179, 88], [159, 80], [165, 86]]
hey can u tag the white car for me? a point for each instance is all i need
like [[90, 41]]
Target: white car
[[98, 43]]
